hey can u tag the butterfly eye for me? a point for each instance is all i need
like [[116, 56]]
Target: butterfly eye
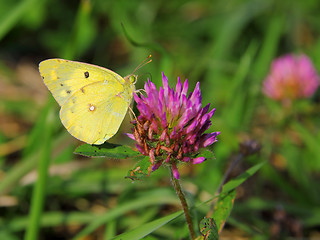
[[133, 78]]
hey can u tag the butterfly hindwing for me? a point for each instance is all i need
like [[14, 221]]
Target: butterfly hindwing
[[94, 113]]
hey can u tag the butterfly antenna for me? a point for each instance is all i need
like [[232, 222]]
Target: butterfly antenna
[[144, 62]]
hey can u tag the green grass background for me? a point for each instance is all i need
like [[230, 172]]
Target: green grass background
[[225, 45]]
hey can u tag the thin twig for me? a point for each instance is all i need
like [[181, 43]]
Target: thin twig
[[238, 158], [235, 162]]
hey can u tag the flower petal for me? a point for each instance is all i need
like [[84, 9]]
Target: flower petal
[[209, 138], [175, 171], [130, 135], [198, 160], [178, 87], [156, 166]]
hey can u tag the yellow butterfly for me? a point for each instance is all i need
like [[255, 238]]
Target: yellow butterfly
[[93, 100]]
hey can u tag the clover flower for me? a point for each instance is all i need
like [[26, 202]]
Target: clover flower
[[171, 125], [291, 77]]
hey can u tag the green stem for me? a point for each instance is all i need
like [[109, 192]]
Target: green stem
[[177, 187], [38, 194]]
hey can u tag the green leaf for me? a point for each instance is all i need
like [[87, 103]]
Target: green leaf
[[13, 16], [83, 32], [147, 228], [232, 184], [208, 229], [206, 153], [154, 199], [141, 170], [31, 152], [223, 209], [40, 186], [106, 150], [309, 138]]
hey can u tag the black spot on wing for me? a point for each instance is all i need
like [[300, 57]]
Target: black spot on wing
[[61, 84], [86, 74], [68, 91]]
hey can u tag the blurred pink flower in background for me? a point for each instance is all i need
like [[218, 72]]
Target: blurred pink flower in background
[[291, 77]]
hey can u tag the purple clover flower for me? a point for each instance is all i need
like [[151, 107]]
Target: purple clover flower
[[291, 77], [171, 125]]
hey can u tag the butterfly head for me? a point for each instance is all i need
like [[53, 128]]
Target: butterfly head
[[131, 78]]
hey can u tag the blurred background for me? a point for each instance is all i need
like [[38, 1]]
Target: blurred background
[[228, 47]]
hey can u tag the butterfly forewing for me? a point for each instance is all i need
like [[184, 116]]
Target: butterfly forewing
[[63, 77]]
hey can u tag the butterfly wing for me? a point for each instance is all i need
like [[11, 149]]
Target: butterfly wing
[[93, 100], [94, 113], [63, 77]]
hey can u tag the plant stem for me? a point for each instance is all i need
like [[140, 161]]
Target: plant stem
[[177, 187]]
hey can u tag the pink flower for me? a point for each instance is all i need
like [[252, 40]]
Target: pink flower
[[291, 77], [171, 125]]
